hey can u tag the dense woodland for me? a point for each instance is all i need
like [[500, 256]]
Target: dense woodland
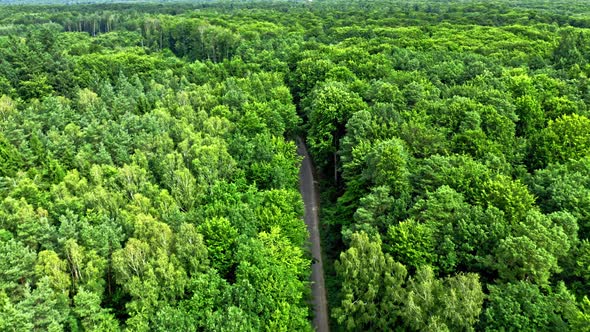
[[149, 175]]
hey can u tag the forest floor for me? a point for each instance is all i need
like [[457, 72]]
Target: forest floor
[[310, 195]]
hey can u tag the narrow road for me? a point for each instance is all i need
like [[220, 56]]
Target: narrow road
[[310, 198]]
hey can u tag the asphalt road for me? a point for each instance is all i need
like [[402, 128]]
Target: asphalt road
[[308, 189]]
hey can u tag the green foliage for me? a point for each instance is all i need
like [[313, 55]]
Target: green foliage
[[148, 174], [17, 263], [377, 294], [512, 197], [563, 188], [273, 269], [221, 241], [93, 317], [10, 159], [567, 138], [453, 304], [332, 104], [411, 243], [439, 162], [371, 286], [387, 164], [524, 306]]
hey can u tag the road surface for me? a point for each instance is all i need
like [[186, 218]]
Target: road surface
[[310, 198]]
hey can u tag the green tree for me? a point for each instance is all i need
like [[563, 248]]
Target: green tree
[[10, 158], [273, 271], [372, 286], [512, 197], [148, 270], [13, 318], [565, 138], [47, 308], [411, 243], [531, 252], [387, 164], [87, 307], [332, 104], [525, 307], [16, 266], [453, 304], [562, 187], [54, 270]]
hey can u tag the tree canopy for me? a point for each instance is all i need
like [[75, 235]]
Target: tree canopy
[[149, 170]]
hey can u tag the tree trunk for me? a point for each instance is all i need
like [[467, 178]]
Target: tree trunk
[[335, 168]]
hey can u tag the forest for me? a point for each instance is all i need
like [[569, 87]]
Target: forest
[[149, 175]]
